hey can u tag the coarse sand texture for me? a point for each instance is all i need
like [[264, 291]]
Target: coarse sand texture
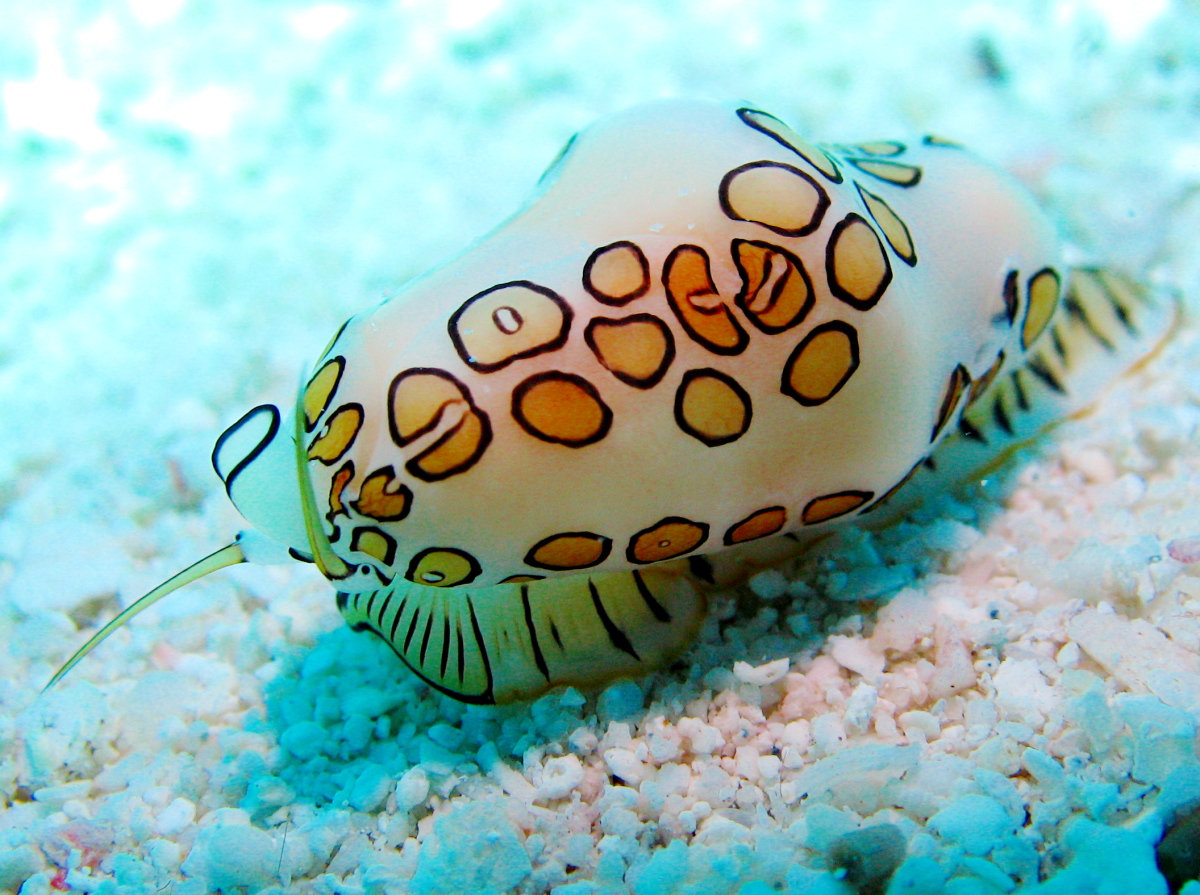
[[975, 674]]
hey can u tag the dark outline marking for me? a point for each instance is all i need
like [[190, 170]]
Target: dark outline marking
[[616, 323], [523, 389], [863, 192], [833, 325], [1076, 310], [412, 627], [980, 386], [823, 200], [655, 607], [1059, 346], [1103, 277], [611, 300], [390, 474], [389, 541], [445, 644], [743, 338], [742, 299], [425, 637], [701, 568], [913, 178], [462, 652], [252, 455], [483, 653], [340, 360], [337, 335], [956, 387], [1019, 388], [545, 348], [967, 429], [616, 636], [605, 550], [1012, 296], [1038, 368], [399, 614], [486, 697], [558, 159], [727, 539], [865, 495], [904, 480], [932, 140], [666, 520], [538, 658], [745, 111], [473, 563], [709, 373], [1000, 415], [859, 304]]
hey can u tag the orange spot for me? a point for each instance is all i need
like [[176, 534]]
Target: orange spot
[[617, 274], [341, 479], [712, 407], [673, 536], [895, 231], [776, 291], [892, 172], [561, 408], [572, 550], [756, 525], [374, 542], [340, 432], [383, 496], [320, 390], [880, 147], [1042, 298], [779, 197], [455, 452], [422, 400], [855, 263], [443, 567], [636, 349], [831, 506], [694, 298], [782, 134], [508, 322], [821, 364], [418, 399]]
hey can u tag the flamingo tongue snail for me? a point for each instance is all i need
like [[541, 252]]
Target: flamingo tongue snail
[[702, 339]]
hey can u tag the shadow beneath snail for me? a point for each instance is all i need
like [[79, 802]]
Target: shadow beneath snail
[[351, 722]]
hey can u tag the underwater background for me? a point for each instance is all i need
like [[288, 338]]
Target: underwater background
[[1001, 693]]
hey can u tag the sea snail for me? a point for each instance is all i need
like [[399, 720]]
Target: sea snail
[[700, 333]]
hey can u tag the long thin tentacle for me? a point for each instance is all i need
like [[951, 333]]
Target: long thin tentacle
[[229, 555]]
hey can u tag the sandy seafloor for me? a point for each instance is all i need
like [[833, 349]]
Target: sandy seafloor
[[193, 195]]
